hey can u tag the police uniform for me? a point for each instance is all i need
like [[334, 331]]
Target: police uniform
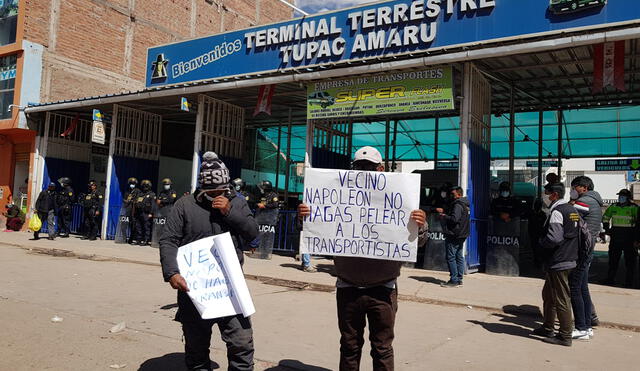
[[66, 198], [620, 221], [143, 206], [270, 200], [167, 198], [91, 203], [129, 202]]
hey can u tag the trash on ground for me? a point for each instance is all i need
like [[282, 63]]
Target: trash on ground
[[57, 319], [118, 328], [469, 306], [118, 366]]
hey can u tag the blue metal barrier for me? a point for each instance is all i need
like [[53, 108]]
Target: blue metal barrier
[[287, 237]]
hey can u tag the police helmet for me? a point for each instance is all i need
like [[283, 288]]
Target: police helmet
[[238, 184], [504, 186], [132, 180], [64, 181], [265, 186], [92, 183], [146, 184], [167, 181]]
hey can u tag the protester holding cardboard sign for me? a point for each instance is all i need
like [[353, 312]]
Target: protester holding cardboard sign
[[213, 209], [366, 287]]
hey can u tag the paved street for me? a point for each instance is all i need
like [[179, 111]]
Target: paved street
[[294, 329]]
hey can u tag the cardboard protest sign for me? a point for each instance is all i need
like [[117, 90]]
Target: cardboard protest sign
[[361, 214], [216, 283]]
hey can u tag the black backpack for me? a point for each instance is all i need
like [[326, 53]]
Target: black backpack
[[585, 241]]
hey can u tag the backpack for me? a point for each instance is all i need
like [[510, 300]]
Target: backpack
[[585, 241]]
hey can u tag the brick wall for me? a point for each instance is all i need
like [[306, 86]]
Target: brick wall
[[95, 47]]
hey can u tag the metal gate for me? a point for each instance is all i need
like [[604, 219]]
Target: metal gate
[[476, 142], [331, 144], [222, 130], [134, 151]]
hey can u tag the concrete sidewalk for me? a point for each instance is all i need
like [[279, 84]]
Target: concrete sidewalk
[[617, 307]]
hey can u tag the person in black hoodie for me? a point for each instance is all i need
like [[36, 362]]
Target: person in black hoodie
[[46, 206], [455, 226], [66, 198], [213, 209]]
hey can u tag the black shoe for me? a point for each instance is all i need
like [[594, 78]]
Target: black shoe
[[449, 284], [595, 322], [141, 243], [51, 238], [541, 331], [64, 236], [557, 340], [34, 239], [460, 284], [133, 242], [92, 238], [84, 238]]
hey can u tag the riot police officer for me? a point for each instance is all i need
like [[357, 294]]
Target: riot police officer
[[505, 206], [239, 186], [167, 196], [143, 206], [128, 202], [66, 198], [269, 199], [92, 205]]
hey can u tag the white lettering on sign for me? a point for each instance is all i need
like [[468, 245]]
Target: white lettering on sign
[[405, 25], [217, 53], [503, 240]]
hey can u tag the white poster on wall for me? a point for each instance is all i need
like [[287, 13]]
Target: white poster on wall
[[361, 214], [216, 283], [97, 132]]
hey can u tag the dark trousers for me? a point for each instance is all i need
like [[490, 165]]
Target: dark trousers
[[580, 296], [64, 221], [235, 331], [616, 248], [143, 227], [556, 302], [50, 218], [90, 224], [455, 258], [378, 306]]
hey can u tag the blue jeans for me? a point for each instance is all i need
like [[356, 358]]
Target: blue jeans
[[306, 260], [580, 296], [455, 258]]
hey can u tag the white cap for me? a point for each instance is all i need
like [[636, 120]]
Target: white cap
[[369, 154]]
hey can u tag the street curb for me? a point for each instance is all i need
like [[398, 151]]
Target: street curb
[[301, 285]]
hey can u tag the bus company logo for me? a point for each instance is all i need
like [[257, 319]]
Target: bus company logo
[[571, 6], [160, 68]]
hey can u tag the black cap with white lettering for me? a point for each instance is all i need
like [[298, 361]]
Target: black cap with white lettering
[[213, 173]]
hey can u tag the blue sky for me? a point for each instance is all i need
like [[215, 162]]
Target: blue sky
[[316, 6]]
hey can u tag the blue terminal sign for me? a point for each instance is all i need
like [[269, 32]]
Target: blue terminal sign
[[384, 28]]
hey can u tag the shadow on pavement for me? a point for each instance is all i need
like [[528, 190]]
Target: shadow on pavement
[[169, 306], [168, 362], [501, 328], [290, 365], [322, 268], [427, 279]]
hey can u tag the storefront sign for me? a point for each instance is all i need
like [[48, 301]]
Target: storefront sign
[[402, 92], [98, 134], [447, 165], [623, 164], [552, 163], [382, 29], [361, 214]]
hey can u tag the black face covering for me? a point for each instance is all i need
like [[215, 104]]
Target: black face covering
[[146, 187]]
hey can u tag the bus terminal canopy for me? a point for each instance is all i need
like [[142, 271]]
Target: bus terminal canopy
[[539, 57]]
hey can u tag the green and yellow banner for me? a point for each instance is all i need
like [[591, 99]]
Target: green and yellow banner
[[389, 94]]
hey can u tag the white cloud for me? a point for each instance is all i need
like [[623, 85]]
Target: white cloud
[[317, 6]]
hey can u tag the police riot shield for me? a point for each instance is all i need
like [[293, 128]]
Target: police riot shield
[[503, 247], [435, 257], [160, 216], [267, 220], [124, 223]]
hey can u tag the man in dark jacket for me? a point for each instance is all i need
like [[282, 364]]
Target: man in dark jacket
[[589, 205], [560, 253], [366, 290], [66, 198], [213, 209], [455, 226], [143, 206], [92, 208], [46, 206]]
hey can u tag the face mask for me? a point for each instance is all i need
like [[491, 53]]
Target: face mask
[[443, 194], [237, 188], [167, 187], [208, 197], [504, 194], [574, 194], [10, 205], [623, 199], [132, 186], [546, 200]]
